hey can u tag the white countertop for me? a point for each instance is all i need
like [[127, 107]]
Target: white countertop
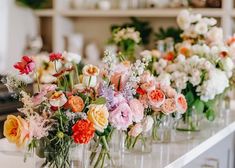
[[173, 155]]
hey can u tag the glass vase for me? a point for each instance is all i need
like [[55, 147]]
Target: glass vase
[[103, 152], [72, 158], [162, 129], [190, 121], [140, 144]]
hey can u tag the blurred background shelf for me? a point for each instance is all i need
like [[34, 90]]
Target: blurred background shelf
[[44, 12], [170, 12]]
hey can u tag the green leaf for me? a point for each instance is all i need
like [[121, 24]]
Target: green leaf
[[199, 106], [210, 114], [190, 98], [100, 100]]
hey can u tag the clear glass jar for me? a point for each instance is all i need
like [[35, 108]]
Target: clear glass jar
[[162, 129], [71, 159], [103, 152], [190, 121], [140, 144]]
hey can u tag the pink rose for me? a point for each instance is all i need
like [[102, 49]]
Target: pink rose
[[137, 109], [135, 130], [181, 103], [121, 116], [118, 99], [156, 98], [169, 106]]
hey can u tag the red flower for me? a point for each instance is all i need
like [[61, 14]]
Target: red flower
[[140, 91], [26, 65], [55, 56], [83, 131], [169, 56]]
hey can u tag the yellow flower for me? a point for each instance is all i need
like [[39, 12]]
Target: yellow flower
[[16, 130], [98, 115]]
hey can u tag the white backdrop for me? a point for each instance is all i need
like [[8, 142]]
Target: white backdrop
[[15, 24]]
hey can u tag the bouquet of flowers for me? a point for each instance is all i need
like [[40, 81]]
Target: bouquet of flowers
[[201, 66], [126, 39], [61, 114]]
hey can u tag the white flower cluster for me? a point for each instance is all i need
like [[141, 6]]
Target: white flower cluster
[[127, 33], [194, 26], [201, 73], [136, 71], [109, 61]]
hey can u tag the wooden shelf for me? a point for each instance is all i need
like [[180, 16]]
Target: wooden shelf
[[137, 12], [44, 12]]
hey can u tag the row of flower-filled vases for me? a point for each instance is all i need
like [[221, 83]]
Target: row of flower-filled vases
[[88, 116]]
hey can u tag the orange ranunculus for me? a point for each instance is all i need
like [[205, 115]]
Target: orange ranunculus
[[16, 130], [76, 103], [83, 131]]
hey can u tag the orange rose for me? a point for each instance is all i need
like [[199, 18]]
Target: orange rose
[[16, 130], [76, 103]]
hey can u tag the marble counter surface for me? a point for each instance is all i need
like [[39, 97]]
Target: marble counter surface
[[184, 149]]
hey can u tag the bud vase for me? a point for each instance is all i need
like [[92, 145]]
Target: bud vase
[[102, 152], [162, 129], [190, 121], [139, 144], [71, 159]]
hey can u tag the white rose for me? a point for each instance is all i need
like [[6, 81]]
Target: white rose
[[227, 64], [195, 18], [215, 35], [183, 19], [201, 28]]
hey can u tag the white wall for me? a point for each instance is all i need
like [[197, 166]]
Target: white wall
[[15, 24]]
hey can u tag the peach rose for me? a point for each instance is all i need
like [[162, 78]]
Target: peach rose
[[16, 130], [76, 103], [98, 115], [169, 106], [181, 103], [137, 109], [135, 130], [156, 98]]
